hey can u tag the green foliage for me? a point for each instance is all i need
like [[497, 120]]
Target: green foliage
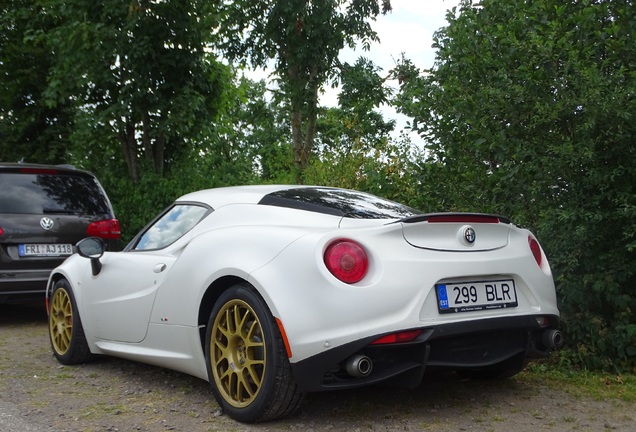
[[140, 71], [254, 129], [354, 149], [29, 129], [529, 112]]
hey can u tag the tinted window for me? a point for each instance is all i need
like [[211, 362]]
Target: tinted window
[[339, 202], [171, 226], [51, 193]]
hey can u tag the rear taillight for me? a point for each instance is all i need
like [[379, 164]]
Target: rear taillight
[[106, 229], [535, 248], [346, 260], [1, 232], [401, 337]]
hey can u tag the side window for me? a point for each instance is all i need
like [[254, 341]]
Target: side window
[[171, 226]]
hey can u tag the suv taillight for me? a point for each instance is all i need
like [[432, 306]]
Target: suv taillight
[[106, 229], [1, 232]]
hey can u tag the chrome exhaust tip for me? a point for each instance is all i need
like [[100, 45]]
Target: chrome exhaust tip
[[552, 339], [359, 366]]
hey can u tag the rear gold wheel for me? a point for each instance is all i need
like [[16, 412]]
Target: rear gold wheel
[[238, 353], [246, 358]]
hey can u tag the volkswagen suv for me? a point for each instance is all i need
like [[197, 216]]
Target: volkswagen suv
[[44, 211]]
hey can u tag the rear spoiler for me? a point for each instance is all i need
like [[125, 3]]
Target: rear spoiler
[[456, 218]]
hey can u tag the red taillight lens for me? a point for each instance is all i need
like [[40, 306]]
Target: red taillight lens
[[106, 229], [1, 232], [347, 261], [536, 250], [405, 336]]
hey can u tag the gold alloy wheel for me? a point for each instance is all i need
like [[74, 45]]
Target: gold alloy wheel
[[61, 321], [237, 352]]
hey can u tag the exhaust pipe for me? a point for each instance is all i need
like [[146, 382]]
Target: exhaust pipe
[[552, 339], [358, 366]]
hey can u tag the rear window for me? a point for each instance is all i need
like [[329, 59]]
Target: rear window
[[339, 202], [26, 193]]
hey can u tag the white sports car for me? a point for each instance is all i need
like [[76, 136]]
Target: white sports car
[[269, 292]]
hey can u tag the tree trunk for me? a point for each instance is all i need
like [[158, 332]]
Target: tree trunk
[[300, 157], [129, 149]]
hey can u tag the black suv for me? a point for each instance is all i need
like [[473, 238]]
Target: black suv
[[44, 211]]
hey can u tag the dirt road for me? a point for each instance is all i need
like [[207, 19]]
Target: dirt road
[[38, 394]]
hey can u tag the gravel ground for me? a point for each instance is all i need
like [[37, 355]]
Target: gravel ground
[[38, 394]]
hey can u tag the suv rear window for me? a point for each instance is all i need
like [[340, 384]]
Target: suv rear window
[[59, 193], [338, 202]]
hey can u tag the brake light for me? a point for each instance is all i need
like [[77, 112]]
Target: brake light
[[106, 229], [38, 171], [346, 260], [465, 218], [401, 337], [1, 232], [535, 248]]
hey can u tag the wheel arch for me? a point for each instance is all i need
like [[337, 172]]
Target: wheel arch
[[53, 279], [210, 297], [214, 291]]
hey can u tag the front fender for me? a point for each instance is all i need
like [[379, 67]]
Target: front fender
[[71, 269]]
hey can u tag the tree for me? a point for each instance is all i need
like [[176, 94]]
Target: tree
[[29, 129], [304, 38], [139, 70], [529, 112], [256, 129]]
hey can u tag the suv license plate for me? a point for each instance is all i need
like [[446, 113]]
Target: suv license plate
[[26, 250], [476, 296]]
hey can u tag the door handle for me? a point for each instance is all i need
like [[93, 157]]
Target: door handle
[[159, 268]]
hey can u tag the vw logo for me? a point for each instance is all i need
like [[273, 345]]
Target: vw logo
[[46, 223], [469, 235]]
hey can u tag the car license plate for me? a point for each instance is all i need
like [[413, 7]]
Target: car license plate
[[476, 296], [26, 250]]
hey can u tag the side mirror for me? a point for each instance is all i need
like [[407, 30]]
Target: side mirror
[[93, 249]]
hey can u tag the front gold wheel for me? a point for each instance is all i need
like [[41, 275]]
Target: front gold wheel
[[65, 327], [238, 353], [61, 321]]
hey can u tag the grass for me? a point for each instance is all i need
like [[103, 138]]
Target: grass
[[600, 386]]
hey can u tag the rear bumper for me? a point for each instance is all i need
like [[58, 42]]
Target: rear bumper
[[23, 286], [464, 345]]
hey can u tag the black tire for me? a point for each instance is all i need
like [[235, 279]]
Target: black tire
[[247, 361], [65, 326], [505, 369]]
